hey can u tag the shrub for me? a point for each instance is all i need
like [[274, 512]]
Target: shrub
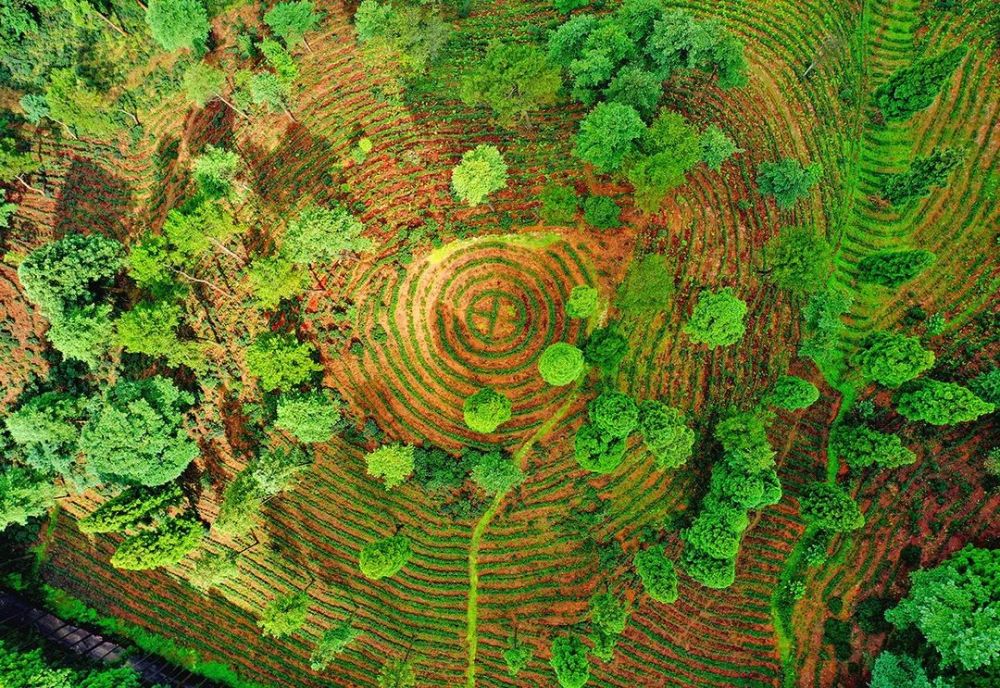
[[211, 570], [280, 361], [953, 606], [393, 463], [941, 403], [605, 348], [284, 615], [861, 447], [717, 319], [648, 286], [130, 508], [496, 473], [893, 268], [559, 204], [614, 414], [911, 89], [385, 557], [332, 643], [659, 579], [827, 506], [135, 433], [242, 501], [481, 172], [582, 302], [486, 410], [560, 364], [597, 452], [163, 546], [569, 661], [892, 359], [666, 436], [601, 212], [310, 417], [798, 259], [713, 535], [793, 393], [787, 180]]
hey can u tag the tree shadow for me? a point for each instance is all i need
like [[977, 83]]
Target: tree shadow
[[301, 166], [93, 199]]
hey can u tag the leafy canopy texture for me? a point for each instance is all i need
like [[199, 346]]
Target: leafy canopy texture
[[47, 428], [135, 433], [596, 451], [913, 88], [486, 410], [24, 494], [608, 134], [320, 235], [165, 545], [892, 359], [892, 671], [513, 80], [560, 364], [408, 37], [862, 446], [569, 661], [656, 571], [798, 259], [614, 414], [559, 204], [393, 463], [481, 172], [602, 212], [203, 83], [311, 417], [582, 301], [291, 21], [648, 286], [177, 24], [284, 615], [955, 606], [787, 180], [66, 273], [665, 434], [717, 319], [893, 268], [333, 643], [385, 557], [605, 348], [496, 473], [281, 361], [941, 403], [829, 507], [130, 508], [793, 393], [35, 669], [924, 173]]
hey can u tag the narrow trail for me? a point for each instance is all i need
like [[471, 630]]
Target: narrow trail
[[520, 457]]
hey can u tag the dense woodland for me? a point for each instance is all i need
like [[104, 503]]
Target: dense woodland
[[444, 342]]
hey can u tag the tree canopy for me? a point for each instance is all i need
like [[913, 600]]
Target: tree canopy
[[481, 172], [385, 557], [486, 410], [310, 417], [665, 434], [914, 87], [513, 80], [560, 364], [940, 403], [291, 21], [393, 463], [798, 259], [281, 361], [717, 318], [569, 661], [177, 24], [284, 615], [828, 506], [787, 180], [891, 359]]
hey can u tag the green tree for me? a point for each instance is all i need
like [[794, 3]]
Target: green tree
[[281, 361], [717, 319], [215, 171], [560, 364], [893, 268], [204, 83], [311, 417], [24, 494], [77, 106], [648, 286], [601, 212], [614, 414], [559, 204], [332, 643], [517, 655], [862, 446], [164, 545], [481, 172], [940, 403], [708, 570], [891, 359], [68, 272], [150, 327], [393, 463], [605, 348], [892, 671], [178, 24], [496, 473], [213, 569], [135, 433], [986, 386], [47, 428], [608, 613], [384, 557], [83, 334], [954, 605], [637, 88], [322, 235], [672, 148], [284, 615], [608, 135], [16, 164], [923, 173], [486, 410], [597, 452], [513, 80], [793, 393], [829, 507], [291, 21], [787, 180], [131, 507], [798, 259], [680, 41], [656, 571], [716, 147], [569, 661], [407, 37], [913, 88], [274, 279], [665, 434], [276, 469], [582, 301], [397, 673]]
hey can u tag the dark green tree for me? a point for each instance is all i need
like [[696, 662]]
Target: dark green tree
[[862, 446], [893, 268], [665, 434], [47, 429], [787, 180], [793, 393], [923, 174], [940, 403], [496, 473], [322, 235], [68, 272], [608, 135], [559, 204], [605, 348], [130, 508], [656, 571], [798, 259], [164, 545], [614, 414], [602, 212], [913, 88], [597, 452], [891, 359], [829, 507], [569, 661]]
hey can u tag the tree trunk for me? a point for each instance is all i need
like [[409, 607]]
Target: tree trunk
[[110, 23], [142, 5], [234, 108], [28, 186], [306, 44], [201, 281], [288, 112]]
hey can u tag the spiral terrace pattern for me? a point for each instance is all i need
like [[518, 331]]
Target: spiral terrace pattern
[[478, 316]]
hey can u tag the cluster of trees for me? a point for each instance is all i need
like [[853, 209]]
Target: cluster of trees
[[24, 668], [560, 205], [608, 618], [405, 37], [745, 479], [862, 446], [893, 268]]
